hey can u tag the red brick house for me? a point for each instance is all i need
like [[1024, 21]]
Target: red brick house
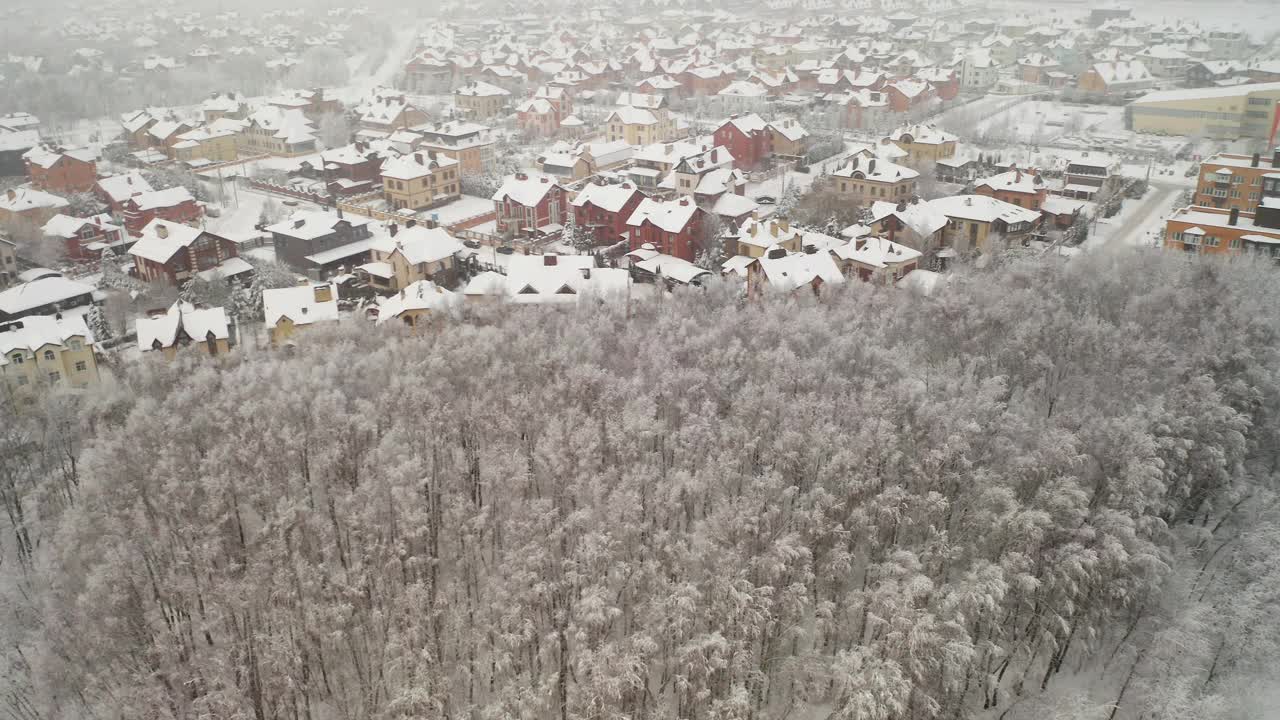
[[1016, 187], [77, 234], [174, 205], [603, 211], [671, 227], [944, 81], [705, 81], [60, 171], [747, 138], [174, 253], [907, 94], [528, 204], [115, 190]]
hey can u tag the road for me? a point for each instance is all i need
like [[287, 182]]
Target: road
[[1134, 226]]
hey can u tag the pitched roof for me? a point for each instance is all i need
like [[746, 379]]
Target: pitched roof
[[418, 244], [36, 331], [181, 316], [299, 304], [672, 217], [610, 198], [527, 189]]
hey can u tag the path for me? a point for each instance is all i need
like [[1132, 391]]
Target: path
[[1135, 227]]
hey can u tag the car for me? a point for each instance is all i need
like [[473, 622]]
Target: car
[[290, 203], [766, 200]]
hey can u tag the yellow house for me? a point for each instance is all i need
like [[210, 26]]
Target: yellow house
[[420, 180], [211, 146], [865, 180], [416, 305], [640, 119], [1239, 111], [417, 253], [46, 351], [975, 221], [923, 143], [756, 236], [288, 310], [181, 326], [480, 100], [471, 144]]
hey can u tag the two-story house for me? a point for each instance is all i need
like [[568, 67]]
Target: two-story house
[[1016, 187], [46, 351], [181, 327], [400, 257], [529, 203], [420, 180], [308, 233], [864, 180], [62, 171], [603, 210], [174, 205], [671, 227], [173, 253], [84, 238], [748, 139]]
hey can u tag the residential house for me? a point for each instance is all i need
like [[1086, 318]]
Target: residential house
[[550, 279], [208, 145], [287, 311], [115, 190], [471, 144], [1016, 187], [84, 238], [1234, 181], [40, 291], [671, 227], [182, 326], [1035, 68], [480, 100], [8, 261], [530, 204], [387, 111], [603, 210], [864, 180], [29, 205], [924, 144], [756, 237], [62, 171], [909, 94], [420, 180], [1165, 61], [313, 104], [353, 169], [224, 105], [640, 119], [876, 259], [787, 272], [281, 132], [747, 138], [744, 96], [173, 253], [1116, 78], [46, 351], [13, 145], [648, 265], [789, 138], [977, 224], [913, 223], [1222, 231], [1089, 173], [401, 257], [307, 234], [416, 305], [174, 205]]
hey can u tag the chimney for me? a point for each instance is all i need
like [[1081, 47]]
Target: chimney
[[162, 231], [1256, 159], [773, 228], [418, 157], [410, 223], [394, 229], [1234, 218], [902, 206], [549, 260], [785, 224], [521, 177], [684, 201], [12, 195], [128, 179], [871, 167], [339, 208], [1275, 159], [299, 223]]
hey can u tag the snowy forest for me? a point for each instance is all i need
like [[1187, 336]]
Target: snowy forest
[[1046, 491]]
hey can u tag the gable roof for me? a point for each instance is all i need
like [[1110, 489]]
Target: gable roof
[[181, 316]]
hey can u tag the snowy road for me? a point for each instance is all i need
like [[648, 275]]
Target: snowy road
[[1135, 227]]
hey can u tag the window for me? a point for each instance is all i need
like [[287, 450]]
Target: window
[[48, 355], [75, 345], [1211, 241], [81, 366], [54, 377], [1235, 244], [17, 358], [22, 380]]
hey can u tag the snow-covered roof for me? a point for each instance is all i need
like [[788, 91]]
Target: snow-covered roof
[[922, 135], [161, 239], [43, 291], [299, 304], [479, 88], [556, 279], [66, 226], [876, 252], [181, 316], [673, 216], [923, 219], [122, 187], [610, 198], [19, 200], [876, 170], [982, 209], [418, 244], [527, 189], [415, 165], [1014, 181], [1206, 93], [166, 198], [33, 332], [421, 295], [767, 233], [747, 124], [796, 270], [789, 129]]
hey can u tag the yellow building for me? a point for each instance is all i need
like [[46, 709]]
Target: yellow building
[[923, 143], [756, 236], [46, 351], [207, 145], [416, 305], [286, 311], [471, 144], [183, 326], [641, 119], [1240, 111], [864, 180], [402, 257], [420, 180], [975, 222], [480, 99]]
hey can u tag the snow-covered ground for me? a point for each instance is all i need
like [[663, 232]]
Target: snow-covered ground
[[1139, 222]]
